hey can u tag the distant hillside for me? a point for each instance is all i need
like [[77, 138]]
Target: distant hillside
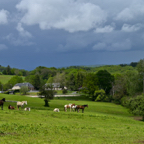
[[5, 78]]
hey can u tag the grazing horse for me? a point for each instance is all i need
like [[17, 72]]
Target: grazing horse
[[10, 107], [81, 107], [68, 106], [21, 104], [74, 107], [56, 110], [2, 102], [27, 109]]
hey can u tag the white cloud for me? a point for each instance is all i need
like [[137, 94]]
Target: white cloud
[[23, 32], [115, 46], [120, 46], [3, 16], [18, 41], [69, 15], [105, 29], [3, 47], [131, 28], [134, 10]]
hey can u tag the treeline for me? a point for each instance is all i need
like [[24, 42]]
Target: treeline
[[122, 84], [104, 83]]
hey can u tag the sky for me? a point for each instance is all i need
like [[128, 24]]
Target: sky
[[60, 33]]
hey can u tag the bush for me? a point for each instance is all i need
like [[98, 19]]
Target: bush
[[24, 90], [64, 91], [99, 95], [136, 105]]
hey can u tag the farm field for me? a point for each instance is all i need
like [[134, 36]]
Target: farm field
[[101, 123], [5, 78]]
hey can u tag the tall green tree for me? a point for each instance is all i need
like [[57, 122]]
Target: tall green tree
[[47, 93], [90, 85], [34, 80], [105, 80], [15, 79], [79, 79]]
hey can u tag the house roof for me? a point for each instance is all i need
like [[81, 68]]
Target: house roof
[[24, 84]]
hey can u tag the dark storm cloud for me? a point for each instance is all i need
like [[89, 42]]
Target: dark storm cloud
[[66, 27]]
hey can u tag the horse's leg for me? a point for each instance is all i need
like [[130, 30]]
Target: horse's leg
[[82, 110]]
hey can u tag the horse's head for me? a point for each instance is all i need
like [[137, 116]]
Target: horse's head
[[24, 102], [3, 99]]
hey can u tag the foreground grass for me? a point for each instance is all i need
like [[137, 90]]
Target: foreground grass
[[100, 123]]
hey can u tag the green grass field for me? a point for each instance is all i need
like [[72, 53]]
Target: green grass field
[[101, 123], [5, 78]]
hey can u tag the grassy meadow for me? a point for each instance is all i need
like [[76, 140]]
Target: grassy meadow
[[5, 78], [101, 123]]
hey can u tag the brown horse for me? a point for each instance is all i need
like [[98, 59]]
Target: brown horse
[[68, 106], [81, 107], [2, 102], [10, 107]]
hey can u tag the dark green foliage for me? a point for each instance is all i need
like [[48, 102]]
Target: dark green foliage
[[7, 86], [15, 79], [90, 84], [64, 91], [1, 86], [105, 80], [136, 105], [34, 80], [47, 93], [71, 82], [79, 80]]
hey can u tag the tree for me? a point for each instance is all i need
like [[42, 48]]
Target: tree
[[24, 90], [34, 80], [60, 78], [90, 84], [79, 79], [47, 93], [136, 105], [140, 66], [71, 82], [105, 80], [99, 95], [15, 79]]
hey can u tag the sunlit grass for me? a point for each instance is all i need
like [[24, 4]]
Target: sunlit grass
[[100, 123]]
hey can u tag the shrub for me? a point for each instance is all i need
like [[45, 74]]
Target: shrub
[[64, 91], [24, 90], [99, 95], [136, 105]]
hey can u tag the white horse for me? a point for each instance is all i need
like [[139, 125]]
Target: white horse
[[21, 104], [74, 107], [68, 106], [27, 109], [56, 110]]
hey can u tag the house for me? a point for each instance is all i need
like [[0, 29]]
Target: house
[[19, 85], [56, 86]]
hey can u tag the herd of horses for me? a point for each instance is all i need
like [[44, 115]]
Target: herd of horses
[[75, 107], [21, 104]]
